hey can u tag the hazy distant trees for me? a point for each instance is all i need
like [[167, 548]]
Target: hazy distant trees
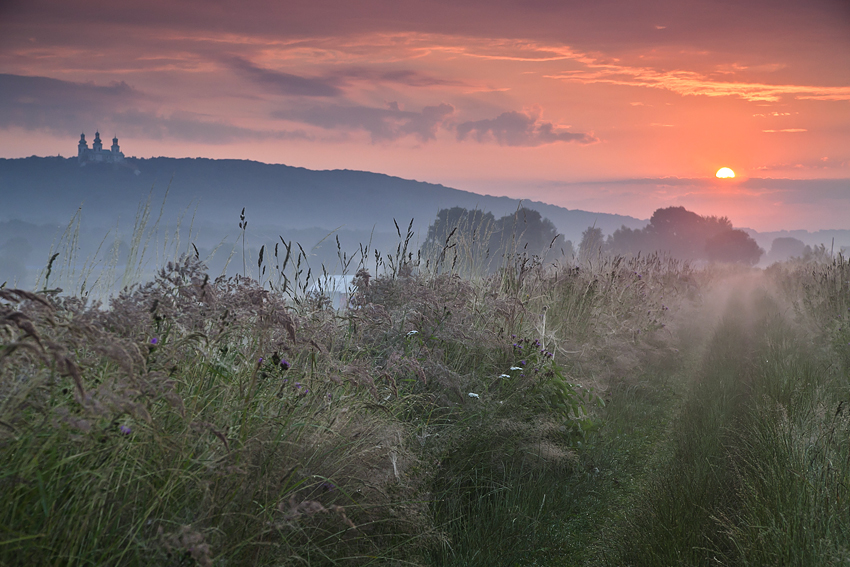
[[684, 234], [592, 243], [478, 238], [785, 248], [733, 245], [471, 229]]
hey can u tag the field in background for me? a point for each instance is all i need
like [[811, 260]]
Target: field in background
[[620, 411]]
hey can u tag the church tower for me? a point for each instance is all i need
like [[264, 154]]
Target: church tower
[[97, 154], [82, 148]]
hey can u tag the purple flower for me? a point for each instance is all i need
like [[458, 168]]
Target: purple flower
[[298, 385], [330, 396], [125, 430], [328, 486], [154, 340], [522, 363], [260, 361], [284, 364]]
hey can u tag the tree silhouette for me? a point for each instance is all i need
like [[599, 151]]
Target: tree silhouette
[[686, 235], [784, 248], [477, 238], [592, 243], [733, 245]]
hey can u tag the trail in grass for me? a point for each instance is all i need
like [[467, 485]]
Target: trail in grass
[[754, 468]]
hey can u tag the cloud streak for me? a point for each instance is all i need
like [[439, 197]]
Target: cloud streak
[[67, 108], [514, 128], [285, 83], [382, 124], [42, 103], [691, 83], [332, 83]]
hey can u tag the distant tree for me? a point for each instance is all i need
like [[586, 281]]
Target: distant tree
[[478, 239], [733, 245], [786, 247], [629, 241], [592, 243], [459, 227], [675, 231], [527, 231], [683, 233]]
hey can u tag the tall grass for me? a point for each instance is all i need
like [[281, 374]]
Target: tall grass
[[549, 414], [232, 421], [756, 471]]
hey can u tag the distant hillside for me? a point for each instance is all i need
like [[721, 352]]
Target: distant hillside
[[50, 190], [40, 195]]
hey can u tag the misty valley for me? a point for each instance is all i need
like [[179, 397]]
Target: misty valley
[[432, 283], [489, 384]]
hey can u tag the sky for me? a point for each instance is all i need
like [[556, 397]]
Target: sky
[[620, 106]]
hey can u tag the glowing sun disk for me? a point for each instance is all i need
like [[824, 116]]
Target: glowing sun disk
[[724, 173]]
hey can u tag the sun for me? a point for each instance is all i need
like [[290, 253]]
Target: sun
[[724, 173]]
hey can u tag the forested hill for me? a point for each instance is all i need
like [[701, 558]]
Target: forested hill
[[50, 189]]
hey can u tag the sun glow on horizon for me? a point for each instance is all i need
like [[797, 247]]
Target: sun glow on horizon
[[724, 173]]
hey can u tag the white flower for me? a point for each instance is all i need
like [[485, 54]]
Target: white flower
[[516, 367], [504, 375], [474, 395], [411, 333]]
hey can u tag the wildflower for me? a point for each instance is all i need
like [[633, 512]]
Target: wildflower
[[298, 385], [522, 363], [411, 333], [284, 364], [328, 486], [516, 368], [330, 396], [124, 429], [260, 361], [513, 336], [504, 375], [474, 395], [154, 340]]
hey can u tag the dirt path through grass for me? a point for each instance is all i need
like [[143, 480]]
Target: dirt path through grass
[[753, 469]]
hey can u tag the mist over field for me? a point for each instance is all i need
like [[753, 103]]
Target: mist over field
[[433, 283], [51, 201]]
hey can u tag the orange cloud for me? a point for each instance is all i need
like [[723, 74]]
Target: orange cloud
[[694, 83]]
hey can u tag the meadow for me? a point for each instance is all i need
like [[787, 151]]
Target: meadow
[[617, 411]]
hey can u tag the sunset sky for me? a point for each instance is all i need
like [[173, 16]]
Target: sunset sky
[[619, 106]]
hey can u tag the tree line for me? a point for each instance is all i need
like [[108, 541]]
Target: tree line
[[477, 238], [679, 233]]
